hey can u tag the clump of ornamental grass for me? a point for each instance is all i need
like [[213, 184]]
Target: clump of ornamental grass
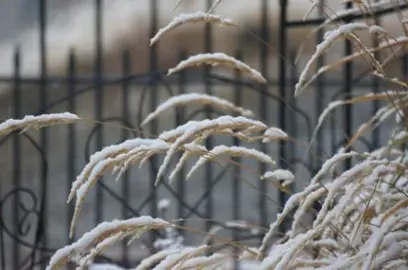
[[363, 220]]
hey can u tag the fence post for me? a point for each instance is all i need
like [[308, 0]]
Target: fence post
[[98, 100], [16, 159], [43, 132], [153, 104], [209, 175], [282, 92], [126, 70], [348, 79], [263, 210], [71, 134]]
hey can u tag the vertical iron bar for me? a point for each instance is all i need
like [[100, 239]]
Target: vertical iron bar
[[282, 92], [98, 99], [348, 77], [236, 183], [2, 248], [153, 104], [16, 155], [71, 134], [209, 143], [333, 137], [179, 120], [320, 93], [125, 115], [404, 67], [263, 212], [43, 133], [292, 115], [376, 89]]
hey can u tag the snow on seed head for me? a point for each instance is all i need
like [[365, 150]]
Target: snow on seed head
[[281, 175], [31, 121], [230, 150], [215, 59], [190, 18], [190, 98], [329, 38]]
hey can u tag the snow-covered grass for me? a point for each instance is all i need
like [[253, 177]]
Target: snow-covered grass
[[217, 59], [36, 122], [187, 19], [362, 223]]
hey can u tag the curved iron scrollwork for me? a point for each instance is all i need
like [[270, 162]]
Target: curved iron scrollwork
[[23, 224], [27, 223]]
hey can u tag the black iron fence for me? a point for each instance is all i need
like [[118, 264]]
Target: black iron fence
[[38, 168]]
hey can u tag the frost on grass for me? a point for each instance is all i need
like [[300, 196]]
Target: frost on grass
[[281, 175], [176, 260], [190, 18], [361, 224], [329, 39], [185, 138], [104, 266], [121, 155], [191, 98], [196, 129], [362, 9], [347, 188], [100, 234], [193, 130], [216, 59], [274, 133], [394, 44], [192, 149], [354, 203], [36, 122], [237, 151], [163, 204], [359, 99], [110, 156]]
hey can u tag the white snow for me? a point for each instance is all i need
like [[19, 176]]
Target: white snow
[[218, 59], [88, 238], [272, 133], [190, 18], [231, 150], [192, 129], [104, 266], [31, 121], [329, 38], [163, 204], [188, 99], [284, 175], [110, 152]]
